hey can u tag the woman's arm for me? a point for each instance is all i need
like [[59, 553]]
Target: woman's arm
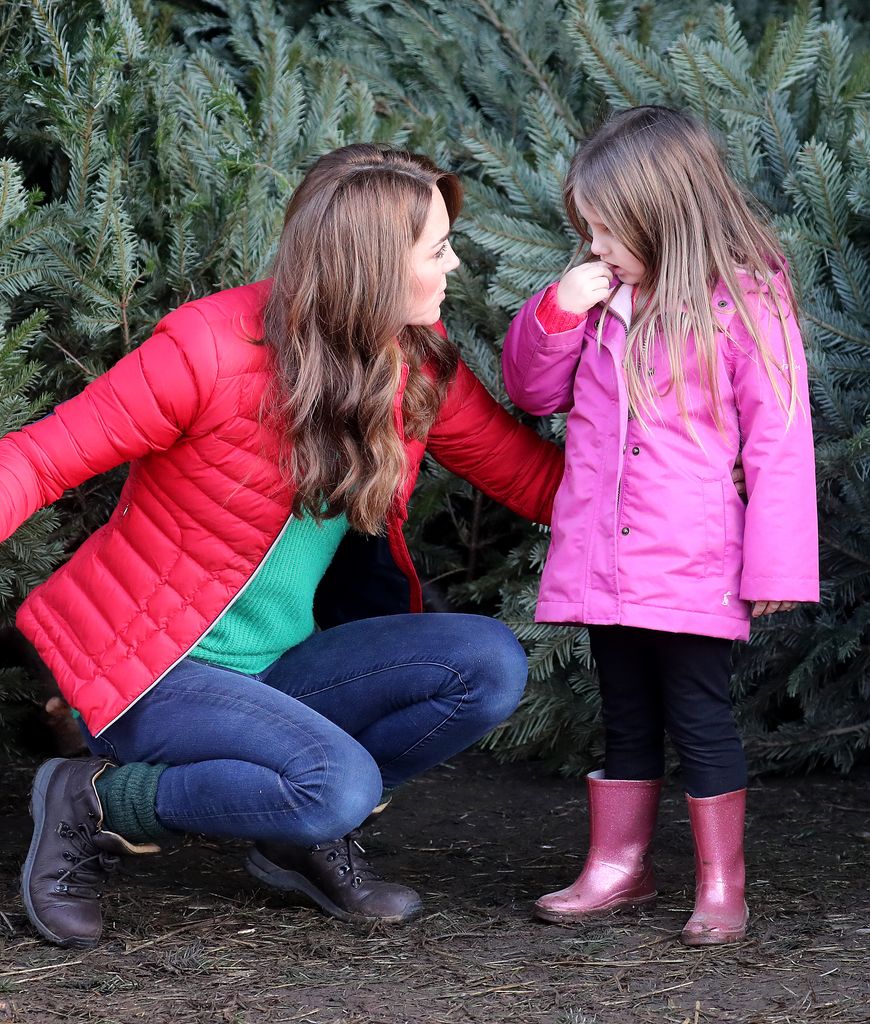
[[780, 541], [541, 352], [142, 404], [474, 437]]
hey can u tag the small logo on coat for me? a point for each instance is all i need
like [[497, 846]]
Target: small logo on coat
[[725, 597]]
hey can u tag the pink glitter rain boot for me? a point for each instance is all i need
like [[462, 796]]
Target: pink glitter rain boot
[[618, 870], [720, 913]]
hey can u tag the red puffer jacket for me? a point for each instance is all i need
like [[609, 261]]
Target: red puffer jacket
[[204, 500]]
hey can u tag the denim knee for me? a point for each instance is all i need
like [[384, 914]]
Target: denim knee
[[349, 786], [500, 671]]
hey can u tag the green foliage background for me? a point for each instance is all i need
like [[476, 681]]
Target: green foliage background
[[147, 151]]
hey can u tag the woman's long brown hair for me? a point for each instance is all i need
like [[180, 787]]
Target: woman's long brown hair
[[335, 322], [657, 178]]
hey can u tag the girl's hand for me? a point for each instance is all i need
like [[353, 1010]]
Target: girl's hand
[[760, 608], [584, 287]]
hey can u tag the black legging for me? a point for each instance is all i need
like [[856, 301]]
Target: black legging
[[654, 682]]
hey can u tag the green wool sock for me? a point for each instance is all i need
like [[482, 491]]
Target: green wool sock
[[129, 798]]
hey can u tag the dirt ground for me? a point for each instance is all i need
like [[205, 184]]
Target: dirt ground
[[191, 938]]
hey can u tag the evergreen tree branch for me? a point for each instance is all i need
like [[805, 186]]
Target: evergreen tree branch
[[537, 74]]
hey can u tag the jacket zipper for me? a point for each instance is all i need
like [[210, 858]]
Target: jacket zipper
[[226, 608], [241, 590]]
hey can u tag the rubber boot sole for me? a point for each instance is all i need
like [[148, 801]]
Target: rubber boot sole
[[716, 936], [283, 879], [566, 918], [37, 812]]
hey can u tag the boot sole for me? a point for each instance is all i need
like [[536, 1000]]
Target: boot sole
[[37, 813], [713, 938], [292, 881], [567, 918]]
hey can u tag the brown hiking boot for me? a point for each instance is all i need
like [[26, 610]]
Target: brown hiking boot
[[70, 855], [336, 877]]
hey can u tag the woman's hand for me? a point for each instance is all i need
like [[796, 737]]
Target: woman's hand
[[584, 287], [760, 608]]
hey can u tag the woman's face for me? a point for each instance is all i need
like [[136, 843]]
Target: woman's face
[[431, 261]]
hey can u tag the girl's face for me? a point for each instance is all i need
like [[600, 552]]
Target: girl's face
[[431, 260], [621, 260]]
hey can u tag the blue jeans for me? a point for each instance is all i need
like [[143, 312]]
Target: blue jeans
[[301, 752]]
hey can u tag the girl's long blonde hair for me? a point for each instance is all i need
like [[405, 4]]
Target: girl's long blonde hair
[[657, 179], [335, 322]]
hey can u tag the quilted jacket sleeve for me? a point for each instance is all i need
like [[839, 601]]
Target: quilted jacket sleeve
[[480, 441], [780, 541], [144, 403], [539, 367]]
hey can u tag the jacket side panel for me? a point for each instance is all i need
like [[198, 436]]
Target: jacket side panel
[[780, 545], [580, 580]]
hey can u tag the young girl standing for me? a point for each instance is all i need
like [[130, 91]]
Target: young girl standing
[[674, 348]]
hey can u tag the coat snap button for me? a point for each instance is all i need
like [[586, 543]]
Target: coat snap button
[[635, 450], [625, 531], [597, 322]]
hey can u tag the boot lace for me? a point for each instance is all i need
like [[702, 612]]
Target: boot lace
[[349, 856], [89, 866]]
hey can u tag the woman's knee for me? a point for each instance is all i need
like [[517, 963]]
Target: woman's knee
[[498, 669], [337, 797]]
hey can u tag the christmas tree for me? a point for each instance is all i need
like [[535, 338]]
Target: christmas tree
[[161, 142]]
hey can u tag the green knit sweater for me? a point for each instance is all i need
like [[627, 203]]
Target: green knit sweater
[[275, 611]]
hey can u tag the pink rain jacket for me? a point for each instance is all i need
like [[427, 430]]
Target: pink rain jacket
[[648, 529]]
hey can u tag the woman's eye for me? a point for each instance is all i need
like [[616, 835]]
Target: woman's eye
[[442, 252]]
